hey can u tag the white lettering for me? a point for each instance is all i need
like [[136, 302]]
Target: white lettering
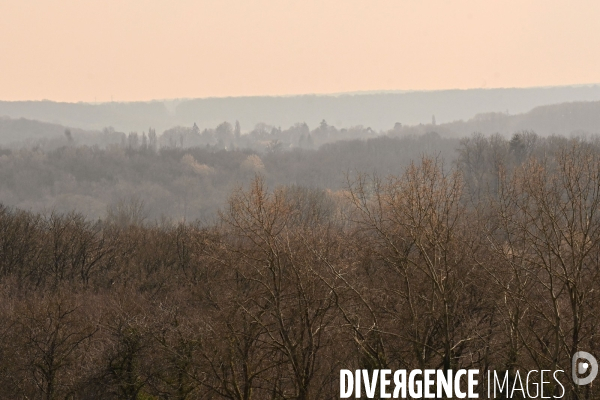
[[411, 384], [504, 383], [346, 390], [400, 382], [534, 384], [459, 394], [429, 383], [370, 386], [542, 383], [444, 382], [561, 386], [383, 383], [473, 383], [517, 379]]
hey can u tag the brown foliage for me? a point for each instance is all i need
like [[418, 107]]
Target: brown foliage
[[412, 271]]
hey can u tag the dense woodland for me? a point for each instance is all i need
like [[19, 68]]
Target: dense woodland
[[490, 261]]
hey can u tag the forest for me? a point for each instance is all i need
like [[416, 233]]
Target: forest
[[188, 183], [480, 253]]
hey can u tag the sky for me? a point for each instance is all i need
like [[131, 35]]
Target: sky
[[126, 50]]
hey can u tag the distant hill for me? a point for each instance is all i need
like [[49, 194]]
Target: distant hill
[[17, 130], [555, 119], [380, 111]]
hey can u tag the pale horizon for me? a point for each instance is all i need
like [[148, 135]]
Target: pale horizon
[[98, 51], [325, 94]]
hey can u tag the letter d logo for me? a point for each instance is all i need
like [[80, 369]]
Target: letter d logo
[[578, 366]]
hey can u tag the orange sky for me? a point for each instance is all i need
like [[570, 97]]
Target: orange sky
[[87, 50]]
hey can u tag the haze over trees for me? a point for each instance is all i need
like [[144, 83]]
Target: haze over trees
[[190, 183], [186, 172]]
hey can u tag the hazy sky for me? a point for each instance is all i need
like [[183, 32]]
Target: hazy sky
[[86, 50]]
